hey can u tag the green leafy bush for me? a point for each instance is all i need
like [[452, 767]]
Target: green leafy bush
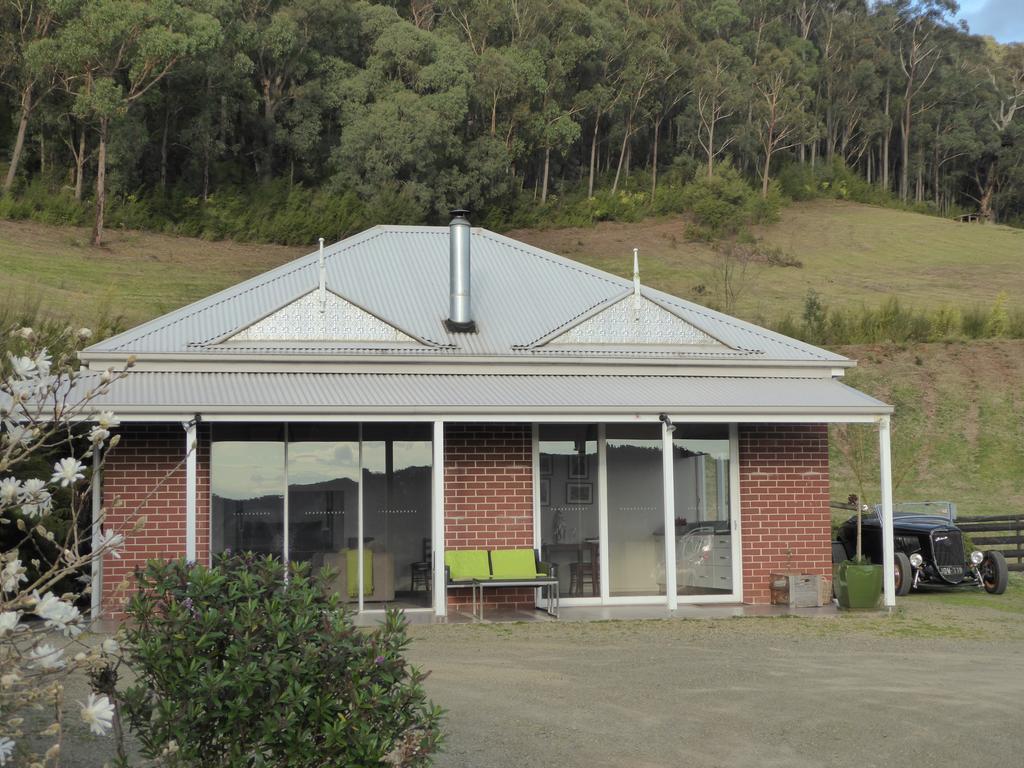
[[239, 665], [724, 203]]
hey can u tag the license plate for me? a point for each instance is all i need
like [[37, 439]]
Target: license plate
[[950, 570]]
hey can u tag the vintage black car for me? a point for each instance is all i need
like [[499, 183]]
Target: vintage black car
[[929, 551]]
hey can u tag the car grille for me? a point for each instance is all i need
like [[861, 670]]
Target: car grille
[[948, 551]]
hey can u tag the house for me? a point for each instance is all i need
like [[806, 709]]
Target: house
[[412, 390]]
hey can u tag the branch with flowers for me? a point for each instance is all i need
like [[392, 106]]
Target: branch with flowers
[[52, 440]]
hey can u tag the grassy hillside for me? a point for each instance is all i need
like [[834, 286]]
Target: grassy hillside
[[959, 427], [958, 431], [136, 276], [851, 254]]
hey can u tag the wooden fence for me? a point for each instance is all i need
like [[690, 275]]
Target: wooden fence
[[1010, 541]]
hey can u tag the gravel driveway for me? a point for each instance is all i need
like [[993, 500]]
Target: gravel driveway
[[915, 689], [941, 683]]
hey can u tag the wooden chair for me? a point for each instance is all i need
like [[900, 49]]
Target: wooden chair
[[420, 572], [585, 572]]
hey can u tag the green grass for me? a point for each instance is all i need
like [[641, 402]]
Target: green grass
[[959, 425], [852, 254], [136, 276]]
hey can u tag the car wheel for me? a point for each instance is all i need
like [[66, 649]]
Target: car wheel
[[904, 574], [994, 573]]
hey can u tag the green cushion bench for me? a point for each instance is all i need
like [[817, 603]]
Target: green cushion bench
[[479, 568]]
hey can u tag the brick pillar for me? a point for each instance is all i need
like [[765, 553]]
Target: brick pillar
[[144, 495], [784, 497], [488, 491]]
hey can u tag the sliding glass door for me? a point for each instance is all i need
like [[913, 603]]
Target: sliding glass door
[[636, 518], [356, 498], [601, 510]]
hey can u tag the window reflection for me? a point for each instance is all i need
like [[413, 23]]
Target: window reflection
[[247, 488]]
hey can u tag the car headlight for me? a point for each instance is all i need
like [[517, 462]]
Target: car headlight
[[916, 560], [976, 557]]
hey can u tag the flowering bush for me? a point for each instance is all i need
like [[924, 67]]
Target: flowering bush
[[247, 663], [50, 537]]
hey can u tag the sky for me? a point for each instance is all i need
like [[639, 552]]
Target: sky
[[1002, 19]]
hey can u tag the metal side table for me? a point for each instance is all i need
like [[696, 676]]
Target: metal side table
[[549, 583]]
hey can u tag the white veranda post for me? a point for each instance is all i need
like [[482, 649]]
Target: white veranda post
[[669, 502], [440, 593], [190, 490], [888, 557]]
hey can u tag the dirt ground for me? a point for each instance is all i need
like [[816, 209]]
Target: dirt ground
[[940, 683]]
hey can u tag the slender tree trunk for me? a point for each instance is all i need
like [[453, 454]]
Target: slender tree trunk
[[654, 159], [622, 153], [101, 183], [764, 176], [935, 174], [885, 141], [593, 156], [268, 126], [163, 150], [905, 153], [80, 164], [19, 140], [814, 155], [42, 154], [867, 166], [711, 148], [547, 169]]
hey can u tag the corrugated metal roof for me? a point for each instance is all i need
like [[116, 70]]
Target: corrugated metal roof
[[521, 295], [398, 393]]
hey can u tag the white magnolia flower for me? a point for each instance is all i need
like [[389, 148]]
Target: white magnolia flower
[[98, 714], [105, 419], [110, 543], [9, 622], [42, 363], [67, 472], [6, 681], [12, 574], [58, 614], [84, 334], [45, 656], [110, 646], [35, 498], [9, 490], [16, 434], [23, 366], [98, 434], [6, 750]]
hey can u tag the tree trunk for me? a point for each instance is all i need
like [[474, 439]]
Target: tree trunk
[[19, 141], [547, 168], [101, 184], [622, 158], [764, 175], [42, 154], [593, 155], [654, 159], [905, 153], [711, 148], [885, 142], [163, 151], [268, 126], [814, 155], [80, 164]]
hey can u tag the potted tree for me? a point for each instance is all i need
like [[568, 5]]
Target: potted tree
[[858, 581]]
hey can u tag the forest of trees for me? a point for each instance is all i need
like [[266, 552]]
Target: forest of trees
[[410, 107]]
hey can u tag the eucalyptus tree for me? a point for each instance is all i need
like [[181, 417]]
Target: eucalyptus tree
[[781, 118], [31, 78], [113, 53], [720, 90]]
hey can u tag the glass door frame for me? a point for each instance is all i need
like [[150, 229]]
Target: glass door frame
[[669, 600]]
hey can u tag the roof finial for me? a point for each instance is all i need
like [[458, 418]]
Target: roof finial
[[323, 279], [636, 272]]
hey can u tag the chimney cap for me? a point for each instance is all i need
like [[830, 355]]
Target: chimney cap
[[460, 213]]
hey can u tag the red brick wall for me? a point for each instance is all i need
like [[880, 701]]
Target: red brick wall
[[142, 481], [488, 487], [784, 496]]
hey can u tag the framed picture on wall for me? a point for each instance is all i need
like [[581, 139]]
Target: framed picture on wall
[[545, 492], [579, 467], [579, 493], [545, 464]]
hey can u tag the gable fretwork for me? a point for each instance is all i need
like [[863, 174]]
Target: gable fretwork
[[634, 320], [321, 317]]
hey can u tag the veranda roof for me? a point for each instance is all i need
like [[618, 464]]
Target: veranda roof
[[165, 394]]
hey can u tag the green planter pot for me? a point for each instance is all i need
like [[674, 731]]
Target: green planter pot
[[858, 586]]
